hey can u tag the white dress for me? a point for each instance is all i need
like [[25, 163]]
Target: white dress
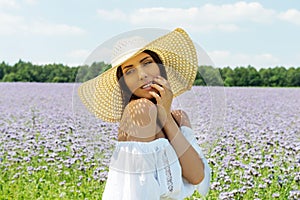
[[151, 171]]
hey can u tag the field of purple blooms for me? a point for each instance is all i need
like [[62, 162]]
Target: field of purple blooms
[[52, 148]]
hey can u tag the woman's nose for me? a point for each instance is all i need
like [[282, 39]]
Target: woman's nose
[[142, 74]]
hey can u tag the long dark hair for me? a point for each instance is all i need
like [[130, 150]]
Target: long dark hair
[[127, 95]]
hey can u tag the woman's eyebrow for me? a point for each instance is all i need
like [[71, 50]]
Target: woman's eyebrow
[[142, 60], [128, 66]]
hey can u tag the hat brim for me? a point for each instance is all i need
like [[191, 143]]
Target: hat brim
[[102, 95]]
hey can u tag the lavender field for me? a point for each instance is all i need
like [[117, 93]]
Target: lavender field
[[52, 148]]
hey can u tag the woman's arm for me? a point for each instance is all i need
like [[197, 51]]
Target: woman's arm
[[191, 164]]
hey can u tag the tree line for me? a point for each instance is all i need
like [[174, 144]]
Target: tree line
[[206, 75]]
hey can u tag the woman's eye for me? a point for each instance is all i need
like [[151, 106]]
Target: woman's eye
[[129, 71], [147, 63]]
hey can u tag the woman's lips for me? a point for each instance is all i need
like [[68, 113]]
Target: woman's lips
[[148, 85]]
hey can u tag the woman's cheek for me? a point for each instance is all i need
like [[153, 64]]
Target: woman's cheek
[[132, 84]]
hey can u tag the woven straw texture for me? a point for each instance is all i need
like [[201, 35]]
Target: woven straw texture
[[102, 95]]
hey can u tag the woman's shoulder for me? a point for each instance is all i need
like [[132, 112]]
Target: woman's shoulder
[[181, 118], [139, 104], [138, 120]]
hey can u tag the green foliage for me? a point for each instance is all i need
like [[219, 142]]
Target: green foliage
[[28, 72], [270, 77], [39, 179], [206, 75], [210, 76], [88, 72], [248, 76]]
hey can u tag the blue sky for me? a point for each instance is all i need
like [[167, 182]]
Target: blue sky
[[233, 33]]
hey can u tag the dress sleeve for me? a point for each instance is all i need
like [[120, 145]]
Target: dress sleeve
[[204, 186]]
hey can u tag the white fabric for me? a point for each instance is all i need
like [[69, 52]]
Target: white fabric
[[151, 170]]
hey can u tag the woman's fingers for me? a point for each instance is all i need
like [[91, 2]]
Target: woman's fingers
[[164, 95], [163, 82], [160, 89], [162, 86], [156, 96]]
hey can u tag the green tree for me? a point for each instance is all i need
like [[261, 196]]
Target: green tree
[[265, 75], [11, 77], [228, 76], [241, 76], [293, 76], [254, 78], [211, 76], [2, 70], [279, 74], [199, 79], [206, 75]]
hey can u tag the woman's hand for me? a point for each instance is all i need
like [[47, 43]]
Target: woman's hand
[[163, 98]]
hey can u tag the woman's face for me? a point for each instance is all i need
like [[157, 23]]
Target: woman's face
[[139, 73]]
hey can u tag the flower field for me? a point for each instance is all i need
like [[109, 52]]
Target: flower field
[[52, 148]]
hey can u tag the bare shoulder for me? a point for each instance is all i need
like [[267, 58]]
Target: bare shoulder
[[181, 118], [138, 107], [138, 121], [140, 111]]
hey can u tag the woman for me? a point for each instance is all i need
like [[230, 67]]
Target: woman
[[157, 155]]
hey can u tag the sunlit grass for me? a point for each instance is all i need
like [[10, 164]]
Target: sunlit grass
[[242, 178], [37, 179]]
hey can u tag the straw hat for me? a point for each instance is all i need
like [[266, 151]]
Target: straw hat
[[102, 95]]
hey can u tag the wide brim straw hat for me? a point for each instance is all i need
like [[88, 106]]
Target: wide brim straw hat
[[102, 95]]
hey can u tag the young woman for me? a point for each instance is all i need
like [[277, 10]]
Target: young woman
[[157, 155]]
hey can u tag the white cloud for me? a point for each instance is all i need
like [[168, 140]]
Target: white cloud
[[294, 60], [291, 15], [115, 14], [46, 28], [14, 24], [12, 4], [226, 58], [78, 53], [31, 2], [226, 17], [77, 57], [228, 27], [10, 24], [5, 4], [240, 11]]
